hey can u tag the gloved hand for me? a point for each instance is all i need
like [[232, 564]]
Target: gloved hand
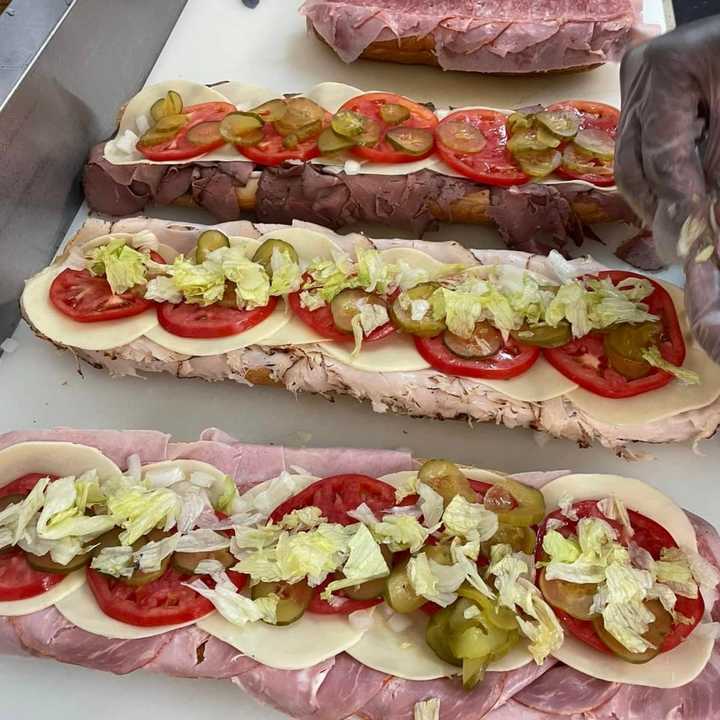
[[667, 161]]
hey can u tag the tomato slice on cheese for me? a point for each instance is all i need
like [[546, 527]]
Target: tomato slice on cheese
[[584, 361]]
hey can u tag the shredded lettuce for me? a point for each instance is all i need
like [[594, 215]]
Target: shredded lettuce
[[286, 274], [151, 555], [225, 495], [303, 518], [123, 266], [163, 289], [202, 284], [613, 508], [139, 511], [560, 549], [433, 581], [252, 285], [400, 532], [461, 518], [373, 273], [312, 554], [368, 318], [114, 561], [250, 538], [653, 357], [202, 540], [431, 505], [234, 607], [673, 569], [427, 709]]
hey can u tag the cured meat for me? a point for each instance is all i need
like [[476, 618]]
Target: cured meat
[[488, 36], [222, 456], [640, 252]]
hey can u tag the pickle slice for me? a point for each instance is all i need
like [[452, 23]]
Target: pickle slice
[[539, 163], [293, 599], [500, 617], [271, 111], [520, 539], [330, 142], [624, 346], [264, 254], [413, 141], [44, 563], [399, 594], [436, 636], [301, 113], [367, 590], [461, 136], [171, 104], [291, 141], [370, 136], [526, 140], [520, 121], [254, 137], [530, 508], [346, 305], [564, 123], [347, 123], [580, 162], [544, 336], [446, 479], [546, 137], [205, 133], [393, 114], [485, 341], [575, 599], [237, 125], [186, 562], [164, 129], [401, 309], [141, 577], [207, 242], [473, 672], [596, 143]]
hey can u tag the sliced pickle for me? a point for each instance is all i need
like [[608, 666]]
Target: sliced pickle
[[546, 137], [399, 594], [563, 123], [436, 636], [238, 125], [186, 562], [141, 577], [370, 136], [655, 635], [440, 554], [461, 136], [165, 129], [500, 617], [158, 109], [346, 305], [446, 479], [539, 163], [485, 341], [524, 141], [520, 539], [207, 242], [347, 123], [205, 133], [264, 254], [44, 563], [271, 111], [579, 162], [530, 508], [596, 143], [473, 672], [544, 336], [171, 104], [520, 121], [402, 319], [481, 642], [413, 141], [575, 599], [366, 591], [330, 142], [291, 141], [625, 344], [254, 137], [393, 114], [294, 599], [301, 113]]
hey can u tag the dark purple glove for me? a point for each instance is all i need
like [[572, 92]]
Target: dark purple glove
[[667, 162]]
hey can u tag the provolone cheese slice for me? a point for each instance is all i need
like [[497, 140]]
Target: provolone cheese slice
[[396, 353], [187, 466], [81, 609], [541, 382], [69, 585], [308, 641], [203, 347], [673, 399], [48, 320], [54, 458], [295, 332], [416, 259], [309, 244]]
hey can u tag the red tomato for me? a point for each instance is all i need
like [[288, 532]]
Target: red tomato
[[337, 494], [214, 321], [271, 151], [509, 362], [347, 606], [584, 362], [165, 601], [649, 535], [494, 164], [179, 147], [86, 298], [19, 581], [593, 116], [321, 321], [24, 484], [383, 152]]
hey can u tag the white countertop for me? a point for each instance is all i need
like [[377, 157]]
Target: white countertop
[[42, 387]]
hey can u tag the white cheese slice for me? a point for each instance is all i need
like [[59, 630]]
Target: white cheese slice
[[541, 382], [62, 329], [673, 399], [81, 609], [407, 655], [203, 347], [295, 332], [71, 583], [310, 640], [187, 466], [670, 669], [396, 353], [54, 458], [308, 244], [416, 259]]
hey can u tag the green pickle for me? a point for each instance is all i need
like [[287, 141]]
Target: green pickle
[[413, 141], [45, 563], [186, 562], [520, 539], [207, 242], [625, 344], [564, 123], [238, 126], [171, 104], [346, 304], [330, 142], [370, 135], [485, 341], [529, 503], [575, 599], [539, 163], [293, 599], [303, 118], [446, 479], [347, 123], [544, 336], [401, 316], [596, 143], [271, 111], [461, 136], [205, 133], [399, 594], [264, 254], [394, 114]]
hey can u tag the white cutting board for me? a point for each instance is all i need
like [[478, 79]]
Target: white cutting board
[[40, 387]]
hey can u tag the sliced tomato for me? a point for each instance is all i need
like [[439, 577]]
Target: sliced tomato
[[179, 147], [24, 484], [271, 151], [321, 321], [383, 152], [345, 606], [165, 601], [494, 164], [213, 321], [649, 535], [593, 116], [584, 361], [19, 581], [337, 494], [512, 360]]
